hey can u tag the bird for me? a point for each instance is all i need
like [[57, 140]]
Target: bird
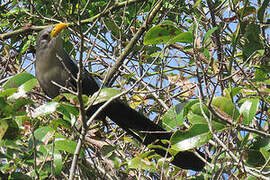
[[54, 67]]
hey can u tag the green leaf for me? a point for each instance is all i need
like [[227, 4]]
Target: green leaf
[[8, 92], [11, 144], [23, 89], [58, 162], [45, 109], [225, 105], [197, 3], [262, 9], [29, 85], [63, 144], [20, 103], [44, 134], [196, 109], [26, 45], [199, 119], [71, 98], [140, 162], [253, 40], [17, 80], [161, 34], [260, 75], [3, 103], [249, 109], [196, 116], [188, 106], [60, 122], [104, 95], [254, 156], [235, 91], [107, 150], [184, 37], [208, 34], [251, 178], [113, 27], [173, 117], [45, 153], [13, 131], [250, 47], [265, 153], [196, 136], [68, 96], [68, 111], [18, 175], [3, 128], [245, 11]]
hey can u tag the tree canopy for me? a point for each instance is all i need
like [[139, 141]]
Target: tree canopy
[[199, 69]]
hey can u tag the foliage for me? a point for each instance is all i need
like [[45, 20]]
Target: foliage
[[199, 69]]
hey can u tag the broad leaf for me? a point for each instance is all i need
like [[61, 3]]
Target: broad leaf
[[249, 109], [226, 107], [23, 89], [57, 161], [3, 128], [45, 109], [184, 37], [262, 10], [63, 144], [258, 152], [140, 162], [208, 34], [173, 117], [161, 34], [104, 95], [196, 136], [17, 80], [44, 134]]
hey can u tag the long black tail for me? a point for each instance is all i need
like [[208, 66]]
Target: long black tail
[[129, 119]]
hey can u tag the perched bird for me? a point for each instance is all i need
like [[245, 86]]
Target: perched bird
[[54, 65]]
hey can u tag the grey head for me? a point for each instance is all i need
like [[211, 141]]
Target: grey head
[[45, 41]]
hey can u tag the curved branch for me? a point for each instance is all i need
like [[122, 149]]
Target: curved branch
[[30, 28]]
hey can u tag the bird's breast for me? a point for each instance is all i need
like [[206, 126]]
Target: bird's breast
[[49, 73]]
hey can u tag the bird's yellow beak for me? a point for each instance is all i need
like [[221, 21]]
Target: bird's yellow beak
[[57, 29]]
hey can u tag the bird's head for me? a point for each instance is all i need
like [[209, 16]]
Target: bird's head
[[50, 37]]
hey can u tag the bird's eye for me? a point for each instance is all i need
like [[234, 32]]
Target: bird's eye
[[45, 36]]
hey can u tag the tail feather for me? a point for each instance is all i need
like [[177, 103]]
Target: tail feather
[[131, 120]]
